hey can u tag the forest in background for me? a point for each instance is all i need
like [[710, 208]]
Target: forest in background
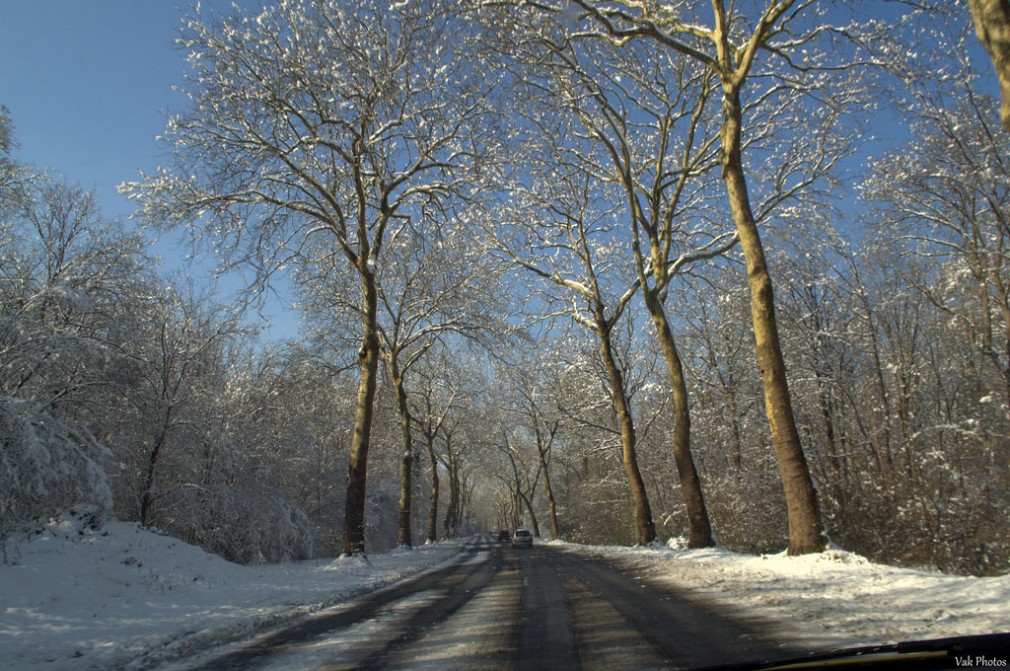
[[506, 215]]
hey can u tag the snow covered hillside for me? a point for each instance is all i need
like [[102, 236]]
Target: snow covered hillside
[[80, 595]]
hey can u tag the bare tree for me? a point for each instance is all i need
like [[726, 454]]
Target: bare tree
[[438, 394], [174, 378], [545, 425], [438, 286], [647, 118], [732, 45], [321, 123], [528, 425], [561, 231], [946, 195], [290, 413], [435, 282]]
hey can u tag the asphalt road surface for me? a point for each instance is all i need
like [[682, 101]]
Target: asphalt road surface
[[499, 608]]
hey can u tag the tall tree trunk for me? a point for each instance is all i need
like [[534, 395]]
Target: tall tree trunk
[[433, 508], [992, 27], [1006, 364], [699, 526], [368, 365], [644, 524], [456, 499], [551, 505], [403, 532], [805, 533], [515, 510], [530, 512], [880, 421], [1004, 308], [152, 464], [449, 531]]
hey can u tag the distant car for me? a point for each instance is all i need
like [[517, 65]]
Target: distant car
[[522, 538], [504, 535]]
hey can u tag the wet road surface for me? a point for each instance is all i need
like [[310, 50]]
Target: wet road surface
[[498, 608]]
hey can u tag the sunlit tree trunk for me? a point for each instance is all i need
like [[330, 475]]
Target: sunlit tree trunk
[[644, 524], [549, 492], [805, 533], [368, 366], [732, 61], [403, 533], [699, 527], [992, 26]]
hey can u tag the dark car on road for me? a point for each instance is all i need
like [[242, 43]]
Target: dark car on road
[[504, 535], [522, 539]]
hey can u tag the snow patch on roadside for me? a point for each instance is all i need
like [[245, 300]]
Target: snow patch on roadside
[[826, 600]]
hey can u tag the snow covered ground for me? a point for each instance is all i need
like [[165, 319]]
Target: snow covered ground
[[77, 597], [835, 599], [121, 597]]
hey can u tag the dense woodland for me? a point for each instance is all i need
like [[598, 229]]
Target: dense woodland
[[535, 265]]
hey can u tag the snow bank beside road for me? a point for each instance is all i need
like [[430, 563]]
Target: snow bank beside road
[[828, 600], [118, 596]]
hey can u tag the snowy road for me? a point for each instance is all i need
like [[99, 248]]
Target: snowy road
[[75, 598], [499, 608]]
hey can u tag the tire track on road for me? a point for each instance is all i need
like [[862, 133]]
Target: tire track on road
[[392, 614]]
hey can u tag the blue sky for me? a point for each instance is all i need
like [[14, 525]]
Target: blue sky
[[87, 83]]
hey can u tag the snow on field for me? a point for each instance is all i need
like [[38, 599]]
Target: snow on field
[[82, 596]]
